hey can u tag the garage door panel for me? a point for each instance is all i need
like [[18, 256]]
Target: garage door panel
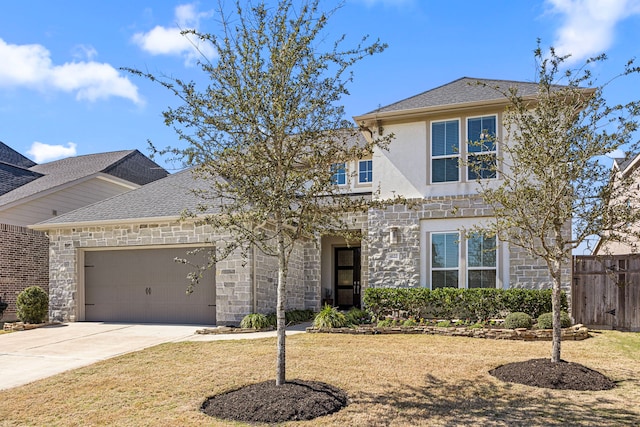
[[146, 285]]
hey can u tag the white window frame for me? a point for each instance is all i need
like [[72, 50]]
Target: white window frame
[[470, 154], [481, 267], [338, 170], [456, 156], [458, 225], [433, 269], [368, 171]]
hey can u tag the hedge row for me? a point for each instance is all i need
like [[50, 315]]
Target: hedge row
[[453, 303]]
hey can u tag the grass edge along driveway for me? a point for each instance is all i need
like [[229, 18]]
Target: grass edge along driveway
[[392, 380]]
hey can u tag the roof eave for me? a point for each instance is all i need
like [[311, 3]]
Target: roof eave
[[419, 112], [124, 221]]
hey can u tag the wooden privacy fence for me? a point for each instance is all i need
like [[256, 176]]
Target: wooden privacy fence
[[605, 291]]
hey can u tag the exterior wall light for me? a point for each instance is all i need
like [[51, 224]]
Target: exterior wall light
[[394, 235]]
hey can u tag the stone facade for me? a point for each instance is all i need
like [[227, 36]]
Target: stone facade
[[24, 262], [397, 263], [237, 294], [392, 255]]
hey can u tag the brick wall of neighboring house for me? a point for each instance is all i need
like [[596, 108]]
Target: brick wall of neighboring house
[[24, 262]]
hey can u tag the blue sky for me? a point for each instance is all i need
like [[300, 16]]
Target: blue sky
[[62, 92]]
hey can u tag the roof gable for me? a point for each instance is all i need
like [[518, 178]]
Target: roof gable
[[166, 197], [460, 91], [129, 165], [12, 177], [12, 157]]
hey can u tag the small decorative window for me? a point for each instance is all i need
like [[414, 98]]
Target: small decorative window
[[365, 171], [339, 176]]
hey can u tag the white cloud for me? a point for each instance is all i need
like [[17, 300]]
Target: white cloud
[[31, 66], [83, 51], [41, 153], [588, 26], [168, 40]]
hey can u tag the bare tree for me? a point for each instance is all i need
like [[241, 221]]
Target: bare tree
[[554, 189], [268, 131]]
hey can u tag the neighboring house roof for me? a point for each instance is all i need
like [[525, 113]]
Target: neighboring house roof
[[129, 165], [14, 169], [10, 156], [626, 164], [12, 177], [167, 197]]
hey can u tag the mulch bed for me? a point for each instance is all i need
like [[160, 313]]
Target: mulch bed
[[267, 403], [546, 374], [298, 400]]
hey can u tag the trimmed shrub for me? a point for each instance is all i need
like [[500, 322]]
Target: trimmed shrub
[[255, 321], [32, 305], [517, 320], [545, 320], [329, 317], [453, 303]]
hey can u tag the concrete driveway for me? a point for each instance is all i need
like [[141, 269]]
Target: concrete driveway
[[31, 355]]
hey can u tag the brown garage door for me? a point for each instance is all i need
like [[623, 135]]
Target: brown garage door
[[146, 285]]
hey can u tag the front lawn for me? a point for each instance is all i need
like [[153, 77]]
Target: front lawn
[[391, 380]]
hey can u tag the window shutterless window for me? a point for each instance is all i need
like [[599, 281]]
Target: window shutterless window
[[365, 171], [339, 171], [481, 261], [445, 151], [445, 255], [450, 269], [481, 146]]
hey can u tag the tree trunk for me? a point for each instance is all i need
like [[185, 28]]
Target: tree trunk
[[280, 315], [555, 307]]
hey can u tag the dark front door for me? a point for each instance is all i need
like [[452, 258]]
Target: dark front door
[[347, 277]]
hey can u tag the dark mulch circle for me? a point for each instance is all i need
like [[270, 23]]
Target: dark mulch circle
[[546, 374], [267, 403]]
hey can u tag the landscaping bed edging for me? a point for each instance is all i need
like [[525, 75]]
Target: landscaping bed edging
[[21, 326], [573, 333]]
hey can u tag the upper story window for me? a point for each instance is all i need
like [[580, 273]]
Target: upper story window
[[365, 171], [339, 171], [445, 151], [481, 133]]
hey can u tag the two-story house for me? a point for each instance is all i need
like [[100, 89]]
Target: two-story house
[[113, 261]]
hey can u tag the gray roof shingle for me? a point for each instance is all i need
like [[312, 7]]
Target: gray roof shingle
[[12, 177], [461, 91], [130, 165], [10, 156], [166, 197]]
